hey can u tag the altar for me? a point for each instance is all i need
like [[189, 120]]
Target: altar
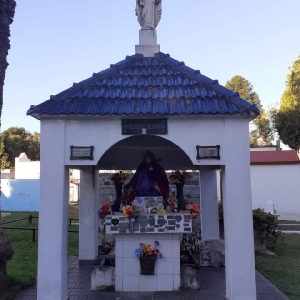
[[166, 230]]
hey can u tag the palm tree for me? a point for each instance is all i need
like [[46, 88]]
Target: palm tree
[[7, 12]]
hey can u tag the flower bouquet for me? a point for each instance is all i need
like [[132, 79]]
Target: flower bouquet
[[148, 255], [102, 213], [104, 210], [130, 212], [128, 196], [193, 209], [173, 202], [118, 178], [178, 177]]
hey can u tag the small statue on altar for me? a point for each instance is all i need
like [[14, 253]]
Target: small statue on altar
[[150, 179]]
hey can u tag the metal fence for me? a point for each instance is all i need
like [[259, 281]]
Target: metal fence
[[30, 218]]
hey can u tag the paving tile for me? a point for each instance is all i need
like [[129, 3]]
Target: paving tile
[[212, 282]]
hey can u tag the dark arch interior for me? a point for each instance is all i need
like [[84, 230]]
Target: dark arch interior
[[128, 153]]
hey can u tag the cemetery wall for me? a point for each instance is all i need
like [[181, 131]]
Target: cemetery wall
[[20, 195], [277, 185]]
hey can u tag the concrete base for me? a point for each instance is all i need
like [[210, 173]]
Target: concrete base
[[190, 278], [147, 50], [103, 279]]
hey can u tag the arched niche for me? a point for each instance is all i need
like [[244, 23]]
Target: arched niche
[[128, 153]]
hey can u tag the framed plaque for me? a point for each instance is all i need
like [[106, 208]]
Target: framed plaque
[[211, 152], [144, 126], [80, 153]]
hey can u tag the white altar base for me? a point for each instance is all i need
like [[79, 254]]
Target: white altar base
[[148, 228], [127, 265]]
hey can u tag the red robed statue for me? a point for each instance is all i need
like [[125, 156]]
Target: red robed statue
[[150, 179]]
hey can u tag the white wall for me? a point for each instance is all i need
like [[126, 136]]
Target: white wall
[[279, 184], [26, 169], [186, 132]]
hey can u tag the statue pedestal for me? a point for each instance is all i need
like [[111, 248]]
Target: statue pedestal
[[147, 43], [148, 37]]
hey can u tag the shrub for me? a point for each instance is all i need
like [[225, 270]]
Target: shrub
[[263, 222]]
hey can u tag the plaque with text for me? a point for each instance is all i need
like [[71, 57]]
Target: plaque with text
[[144, 126], [212, 152], [78, 152]]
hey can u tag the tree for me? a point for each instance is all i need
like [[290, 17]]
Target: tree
[[17, 140], [287, 118], [262, 134], [7, 12]]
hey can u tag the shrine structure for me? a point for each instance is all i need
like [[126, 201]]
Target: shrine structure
[[147, 102]]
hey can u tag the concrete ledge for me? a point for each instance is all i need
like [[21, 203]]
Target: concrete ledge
[[147, 50]]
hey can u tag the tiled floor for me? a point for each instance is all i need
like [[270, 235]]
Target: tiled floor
[[213, 287]]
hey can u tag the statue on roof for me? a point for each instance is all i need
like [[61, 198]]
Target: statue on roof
[[148, 13]]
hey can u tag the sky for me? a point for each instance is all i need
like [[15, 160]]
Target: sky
[[58, 42]]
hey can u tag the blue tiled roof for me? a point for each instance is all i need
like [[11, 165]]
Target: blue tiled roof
[[145, 86]]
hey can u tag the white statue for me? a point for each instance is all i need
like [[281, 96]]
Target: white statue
[[148, 13]]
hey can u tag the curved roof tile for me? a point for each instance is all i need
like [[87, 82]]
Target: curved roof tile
[[138, 85]]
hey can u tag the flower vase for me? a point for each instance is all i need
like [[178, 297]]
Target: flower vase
[[147, 263], [116, 205], [180, 197]]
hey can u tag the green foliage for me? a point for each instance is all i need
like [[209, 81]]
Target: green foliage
[[263, 133], [22, 268], [284, 270], [286, 119], [239, 84], [266, 222], [263, 222], [16, 140]]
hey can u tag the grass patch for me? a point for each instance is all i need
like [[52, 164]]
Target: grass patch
[[284, 270], [22, 269]]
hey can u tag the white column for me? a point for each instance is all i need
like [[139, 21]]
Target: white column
[[209, 203], [53, 214], [238, 222], [88, 219]]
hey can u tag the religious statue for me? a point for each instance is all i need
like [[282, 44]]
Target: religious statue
[[148, 13], [150, 179]]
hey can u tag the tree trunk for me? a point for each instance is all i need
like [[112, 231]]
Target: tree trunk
[[6, 253], [7, 12]]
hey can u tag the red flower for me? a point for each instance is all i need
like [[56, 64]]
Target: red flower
[[178, 177], [118, 178]]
